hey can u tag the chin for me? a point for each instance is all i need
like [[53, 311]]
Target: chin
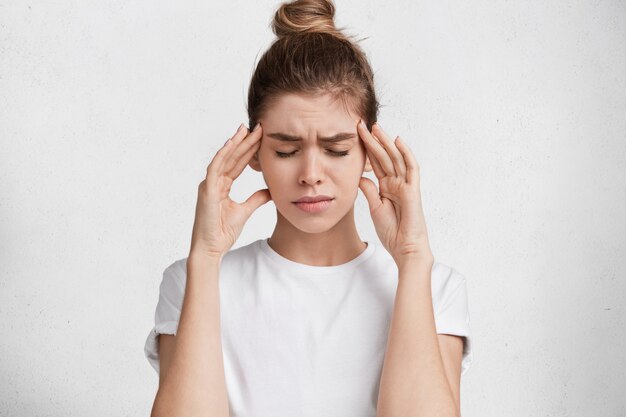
[[314, 227], [309, 223]]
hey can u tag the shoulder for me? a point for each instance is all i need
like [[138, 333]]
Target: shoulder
[[234, 258], [443, 277], [447, 283], [174, 276], [446, 278]]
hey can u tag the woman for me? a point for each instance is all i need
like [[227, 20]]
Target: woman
[[312, 321]]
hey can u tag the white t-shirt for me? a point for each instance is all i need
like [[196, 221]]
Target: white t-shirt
[[301, 340]]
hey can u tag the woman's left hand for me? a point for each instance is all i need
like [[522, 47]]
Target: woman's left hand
[[397, 209]]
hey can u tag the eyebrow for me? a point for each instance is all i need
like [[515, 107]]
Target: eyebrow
[[339, 137]]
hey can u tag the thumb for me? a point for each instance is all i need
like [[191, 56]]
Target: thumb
[[256, 200], [370, 191]]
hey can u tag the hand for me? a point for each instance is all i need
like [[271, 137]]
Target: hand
[[397, 210], [219, 220]]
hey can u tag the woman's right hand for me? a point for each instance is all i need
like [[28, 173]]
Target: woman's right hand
[[219, 220]]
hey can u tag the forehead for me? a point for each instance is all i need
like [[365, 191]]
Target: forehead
[[297, 114]]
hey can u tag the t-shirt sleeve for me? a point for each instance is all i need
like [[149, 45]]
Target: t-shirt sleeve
[[452, 315], [167, 314]]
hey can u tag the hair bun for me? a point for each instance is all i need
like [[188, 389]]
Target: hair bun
[[303, 16]]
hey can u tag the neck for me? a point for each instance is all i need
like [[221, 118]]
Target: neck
[[335, 246]]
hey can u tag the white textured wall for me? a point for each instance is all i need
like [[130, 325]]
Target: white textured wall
[[111, 111]]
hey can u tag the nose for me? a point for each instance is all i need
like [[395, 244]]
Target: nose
[[312, 171]]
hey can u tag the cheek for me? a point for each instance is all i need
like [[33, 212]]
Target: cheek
[[354, 162], [275, 173], [347, 175]]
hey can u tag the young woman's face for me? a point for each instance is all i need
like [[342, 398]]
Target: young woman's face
[[297, 161]]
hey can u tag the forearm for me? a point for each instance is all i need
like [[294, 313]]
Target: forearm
[[195, 383], [413, 380]]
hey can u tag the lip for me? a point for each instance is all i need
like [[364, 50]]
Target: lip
[[315, 207], [313, 199]]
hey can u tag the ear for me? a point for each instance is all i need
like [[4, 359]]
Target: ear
[[254, 162]]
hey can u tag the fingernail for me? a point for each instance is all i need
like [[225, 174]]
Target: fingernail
[[363, 124], [239, 128], [227, 142], [256, 126]]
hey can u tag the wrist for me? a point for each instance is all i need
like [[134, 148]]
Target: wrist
[[415, 262], [204, 258]]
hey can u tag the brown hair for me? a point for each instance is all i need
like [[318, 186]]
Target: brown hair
[[311, 56]]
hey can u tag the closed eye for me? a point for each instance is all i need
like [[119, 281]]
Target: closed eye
[[333, 153]]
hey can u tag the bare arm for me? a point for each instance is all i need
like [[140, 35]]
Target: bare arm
[[193, 383], [451, 347], [166, 348], [413, 381]]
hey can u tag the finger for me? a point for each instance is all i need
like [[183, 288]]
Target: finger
[[242, 162], [256, 200], [243, 148], [378, 170], [412, 168], [392, 150], [217, 160], [376, 167], [222, 156], [377, 149], [218, 157], [369, 189], [233, 148]]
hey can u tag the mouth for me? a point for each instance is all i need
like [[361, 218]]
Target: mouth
[[314, 199], [314, 206]]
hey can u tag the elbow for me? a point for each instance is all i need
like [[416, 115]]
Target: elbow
[[158, 408], [439, 412], [166, 406]]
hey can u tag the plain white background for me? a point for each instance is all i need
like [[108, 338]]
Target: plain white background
[[110, 112]]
